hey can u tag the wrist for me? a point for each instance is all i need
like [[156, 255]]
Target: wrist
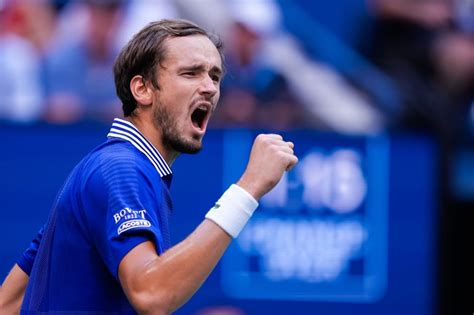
[[250, 188], [232, 211]]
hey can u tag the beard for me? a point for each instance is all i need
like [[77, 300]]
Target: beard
[[172, 138]]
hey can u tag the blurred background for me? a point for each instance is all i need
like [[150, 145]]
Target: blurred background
[[378, 96]]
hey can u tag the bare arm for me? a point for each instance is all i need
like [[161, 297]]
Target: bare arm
[[12, 291], [160, 284]]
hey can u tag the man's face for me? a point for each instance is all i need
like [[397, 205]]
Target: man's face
[[188, 91]]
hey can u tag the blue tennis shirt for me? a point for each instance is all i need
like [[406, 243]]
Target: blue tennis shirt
[[116, 198]]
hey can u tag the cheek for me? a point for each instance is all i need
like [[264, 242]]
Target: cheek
[[179, 111], [217, 97], [177, 99], [173, 103]]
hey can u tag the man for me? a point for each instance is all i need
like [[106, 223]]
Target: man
[[105, 247]]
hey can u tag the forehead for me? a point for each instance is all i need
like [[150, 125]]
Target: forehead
[[195, 49]]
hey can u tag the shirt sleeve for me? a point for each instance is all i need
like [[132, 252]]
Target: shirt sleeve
[[121, 201], [28, 257]]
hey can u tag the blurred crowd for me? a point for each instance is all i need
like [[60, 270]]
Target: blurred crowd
[[400, 64]]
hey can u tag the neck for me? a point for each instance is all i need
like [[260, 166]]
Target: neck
[[153, 134]]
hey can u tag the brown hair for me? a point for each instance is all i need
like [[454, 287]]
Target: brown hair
[[146, 50]]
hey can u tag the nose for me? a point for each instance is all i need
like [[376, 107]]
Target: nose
[[208, 87]]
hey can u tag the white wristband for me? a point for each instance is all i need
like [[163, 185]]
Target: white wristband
[[232, 211]]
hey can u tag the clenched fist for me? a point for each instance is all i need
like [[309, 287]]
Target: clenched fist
[[269, 158]]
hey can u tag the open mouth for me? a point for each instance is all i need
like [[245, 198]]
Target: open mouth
[[200, 116]]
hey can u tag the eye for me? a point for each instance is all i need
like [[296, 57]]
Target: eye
[[189, 73], [216, 78]]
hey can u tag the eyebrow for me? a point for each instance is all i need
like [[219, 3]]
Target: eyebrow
[[201, 68]]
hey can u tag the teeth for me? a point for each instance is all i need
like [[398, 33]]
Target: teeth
[[202, 107]]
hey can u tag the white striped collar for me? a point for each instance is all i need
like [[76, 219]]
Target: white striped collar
[[127, 131]]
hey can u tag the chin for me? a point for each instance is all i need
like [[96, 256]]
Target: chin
[[191, 150], [189, 146]]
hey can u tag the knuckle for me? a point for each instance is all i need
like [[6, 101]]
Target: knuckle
[[277, 149], [264, 138], [274, 136], [282, 155]]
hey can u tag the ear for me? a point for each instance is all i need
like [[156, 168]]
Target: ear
[[142, 91]]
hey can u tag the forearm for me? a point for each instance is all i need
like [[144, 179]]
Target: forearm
[[168, 281], [188, 264], [12, 291]]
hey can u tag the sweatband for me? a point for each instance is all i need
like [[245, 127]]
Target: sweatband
[[233, 209]]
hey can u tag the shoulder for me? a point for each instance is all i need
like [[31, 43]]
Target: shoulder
[[118, 154], [116, 161]]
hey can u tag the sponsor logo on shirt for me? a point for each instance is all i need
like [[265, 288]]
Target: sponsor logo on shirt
[[128, 214], [133, 219], [127, 225]]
